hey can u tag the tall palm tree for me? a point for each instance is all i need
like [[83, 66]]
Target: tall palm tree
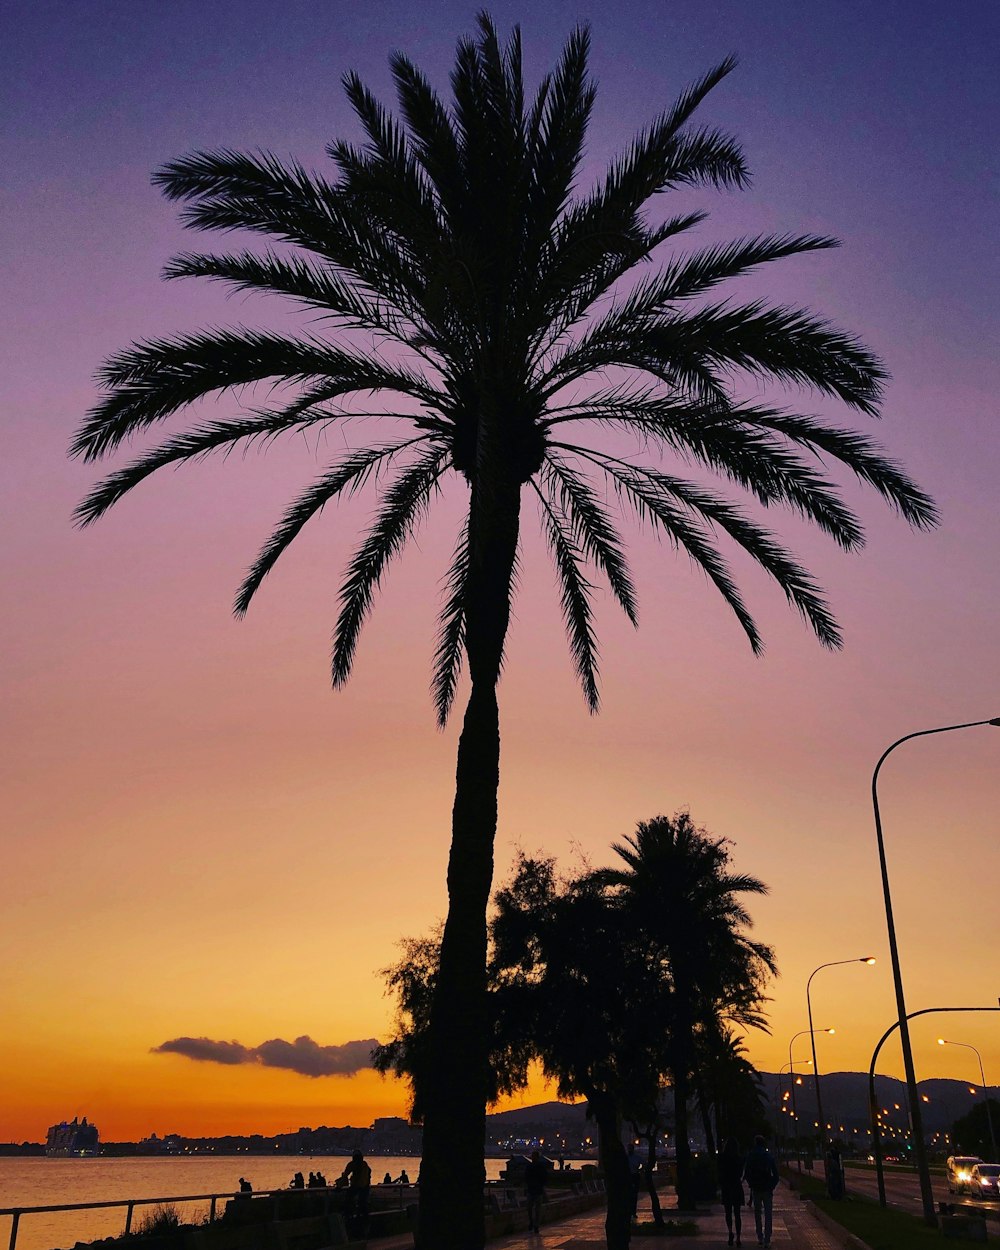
[[679, 889], [482, 309]]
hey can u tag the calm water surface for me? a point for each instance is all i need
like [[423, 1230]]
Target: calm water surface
[[45, 1182]]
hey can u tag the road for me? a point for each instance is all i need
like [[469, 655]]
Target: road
[[902, 1190]]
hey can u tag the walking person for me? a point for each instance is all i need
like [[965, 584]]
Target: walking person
[[534, 1184], [761, 1174], [731, 1164]]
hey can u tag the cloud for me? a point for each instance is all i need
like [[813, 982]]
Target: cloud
[[204, 1049], [310, 1059], [303, 1055]]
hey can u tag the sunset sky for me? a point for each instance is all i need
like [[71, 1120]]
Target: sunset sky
[[201, 840]]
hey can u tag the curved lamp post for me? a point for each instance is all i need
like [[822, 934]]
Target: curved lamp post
[[944, 1041], [865, 959], [872, 1101], [916, 1119], [795, 1112]]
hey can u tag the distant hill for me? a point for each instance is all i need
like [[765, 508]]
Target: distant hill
[[845, 1101], [543, 1113]]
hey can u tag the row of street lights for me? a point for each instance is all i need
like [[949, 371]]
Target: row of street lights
[[944, 1041], [916, 1119]]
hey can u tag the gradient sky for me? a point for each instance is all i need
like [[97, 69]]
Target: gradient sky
[[201, 840]]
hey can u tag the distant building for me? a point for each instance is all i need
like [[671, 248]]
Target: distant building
[[72, 1139]]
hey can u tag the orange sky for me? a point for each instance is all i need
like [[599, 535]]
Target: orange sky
[[201, 840]]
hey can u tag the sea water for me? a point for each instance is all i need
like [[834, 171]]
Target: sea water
[[34, 1182]]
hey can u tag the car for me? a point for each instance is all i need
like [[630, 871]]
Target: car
[[984, 1181], [959, 1172]]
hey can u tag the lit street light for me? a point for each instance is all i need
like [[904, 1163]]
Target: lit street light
[[926, 1193], [873, 1111], [791, 1064], [943, 1041], [865, 959]]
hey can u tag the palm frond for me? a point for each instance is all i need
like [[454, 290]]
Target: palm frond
[[402, 507], [451, 633], [687, 276], [316, 286], [864, 457], [784, 343], [654, 494], [593, 530], [350, 475], [724, 439], [387, 180], [557, 129], [691, 374], [584, 262], [662, 156], [575, 592], [200, 441], [431, 134], [152, 380], [228, 190]]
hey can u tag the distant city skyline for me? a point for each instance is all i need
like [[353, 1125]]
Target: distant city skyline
[[202, 842]]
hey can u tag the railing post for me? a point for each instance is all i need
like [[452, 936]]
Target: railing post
[[13, 1229], [128, 1218], [211, 1211]]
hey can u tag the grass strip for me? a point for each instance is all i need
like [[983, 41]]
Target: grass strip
[[879, 1228]]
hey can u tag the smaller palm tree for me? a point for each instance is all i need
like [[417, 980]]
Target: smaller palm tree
[[679, 890]]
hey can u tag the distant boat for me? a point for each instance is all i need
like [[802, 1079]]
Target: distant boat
[[73, 1139]]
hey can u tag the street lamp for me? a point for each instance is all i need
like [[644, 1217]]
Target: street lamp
[[795, 1113], [944, 1041], [865, 959], [872, 1100], [917, 1125]]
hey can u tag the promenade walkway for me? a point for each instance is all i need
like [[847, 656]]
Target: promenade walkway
[[794, 1229]]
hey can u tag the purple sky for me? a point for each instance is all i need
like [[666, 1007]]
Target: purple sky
[[158, 753]]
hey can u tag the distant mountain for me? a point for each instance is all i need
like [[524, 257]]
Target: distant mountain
[[845, 1102], [845, 1099], [544, 1113]]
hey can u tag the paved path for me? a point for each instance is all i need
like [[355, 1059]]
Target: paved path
[[794, 1229]]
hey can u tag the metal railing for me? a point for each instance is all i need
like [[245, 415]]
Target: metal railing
[[131, 1203]]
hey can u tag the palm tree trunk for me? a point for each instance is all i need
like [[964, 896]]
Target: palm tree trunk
[[685, 1184], [614, 1164], [454, 1089], [654, 1197], [706, 1117]]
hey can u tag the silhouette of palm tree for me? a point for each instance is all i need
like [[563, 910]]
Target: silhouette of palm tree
[[484, 310], [728, 1085], [680, 892]]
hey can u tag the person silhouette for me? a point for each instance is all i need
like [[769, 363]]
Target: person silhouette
[[358, 1178], [731, 1164], [534, 1184], [761, 1173]]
